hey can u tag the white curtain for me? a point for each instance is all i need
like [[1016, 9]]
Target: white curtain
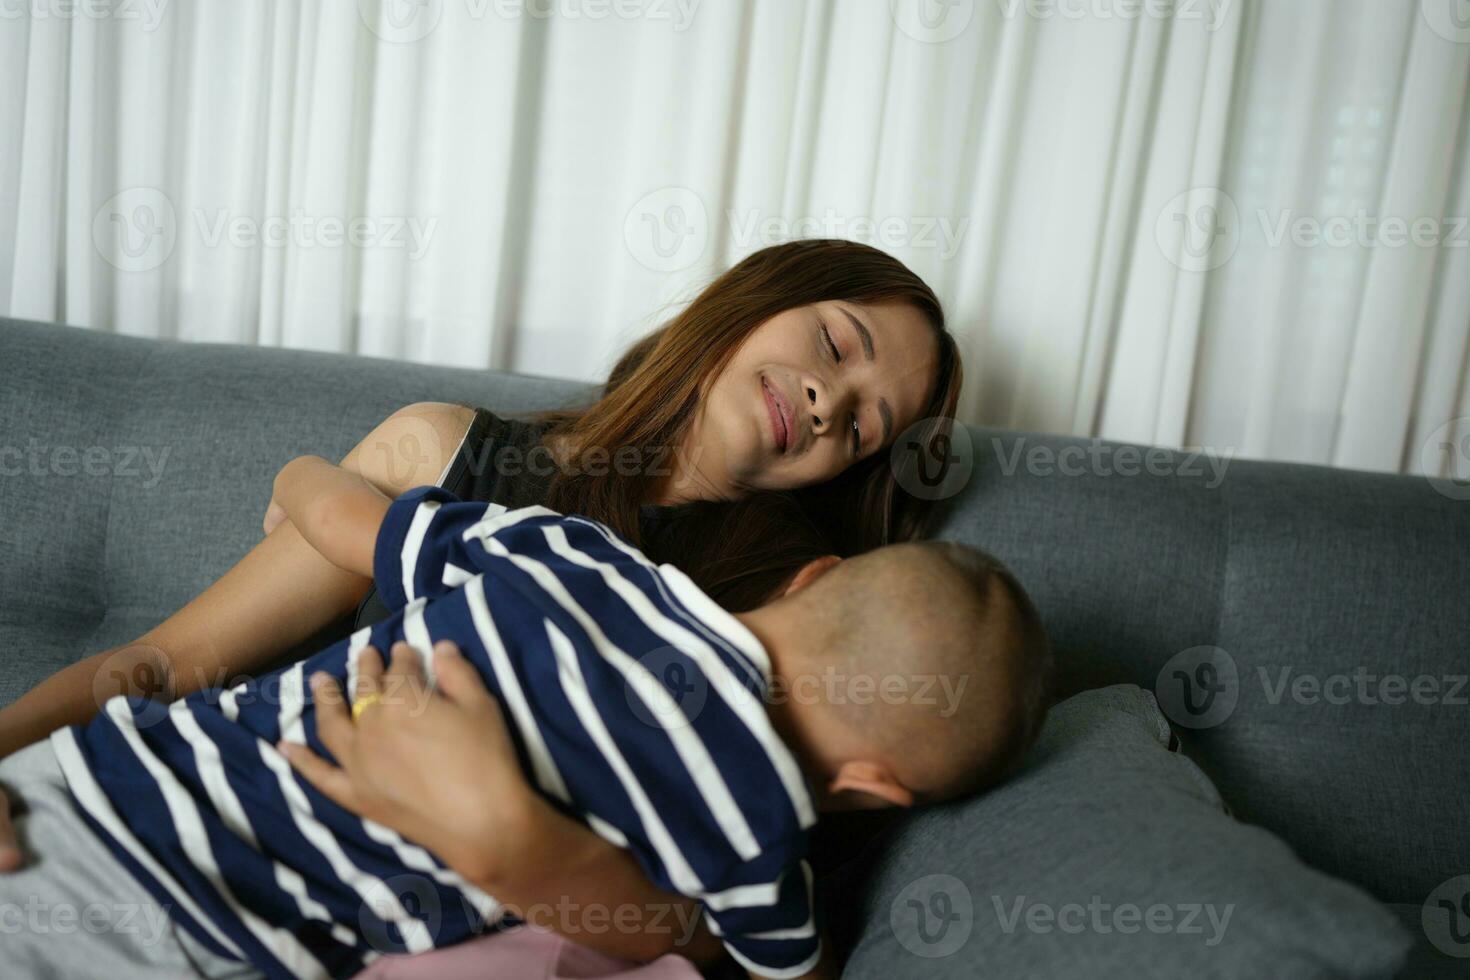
[[1116, 200]]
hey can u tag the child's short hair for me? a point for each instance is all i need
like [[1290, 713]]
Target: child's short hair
[[937, 608]]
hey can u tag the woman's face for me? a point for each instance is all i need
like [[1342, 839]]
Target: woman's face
[[811, 391]]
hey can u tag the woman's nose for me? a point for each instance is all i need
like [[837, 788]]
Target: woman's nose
[[825, 404]]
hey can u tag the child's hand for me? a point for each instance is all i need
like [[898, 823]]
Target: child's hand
[[10, 856], [274, 515]]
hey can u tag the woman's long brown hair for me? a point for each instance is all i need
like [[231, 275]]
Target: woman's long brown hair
[[651, 393]]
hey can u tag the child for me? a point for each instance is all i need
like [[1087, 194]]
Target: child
[[705, 742]]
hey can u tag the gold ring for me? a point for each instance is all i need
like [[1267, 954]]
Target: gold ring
[[364, 703]]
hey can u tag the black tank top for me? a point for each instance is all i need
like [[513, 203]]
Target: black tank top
[[502, 461]]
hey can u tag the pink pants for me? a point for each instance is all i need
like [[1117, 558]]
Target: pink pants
[[526, 953]]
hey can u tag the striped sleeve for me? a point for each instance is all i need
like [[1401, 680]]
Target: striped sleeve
[[765, 920], [430, 542]]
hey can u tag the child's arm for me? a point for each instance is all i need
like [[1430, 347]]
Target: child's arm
[[818, 972], [336, 510], [762, 910]]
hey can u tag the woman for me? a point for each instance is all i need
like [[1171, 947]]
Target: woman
[[838, 336], [795, 370]]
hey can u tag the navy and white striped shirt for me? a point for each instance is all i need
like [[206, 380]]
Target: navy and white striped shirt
[[635, 702]]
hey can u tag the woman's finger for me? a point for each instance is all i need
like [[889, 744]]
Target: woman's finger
[[331, 782], [369, 674], [333, 725], [406, 661], [458, 680], [10, 856], [404, 682]]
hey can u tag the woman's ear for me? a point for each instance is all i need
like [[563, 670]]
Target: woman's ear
[[810, 572], [878, 786]]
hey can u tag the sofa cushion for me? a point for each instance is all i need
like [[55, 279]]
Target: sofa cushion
[[134, 473], [1108, 856], [1316, 575]]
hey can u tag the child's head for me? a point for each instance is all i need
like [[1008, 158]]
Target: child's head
[[909, 674]]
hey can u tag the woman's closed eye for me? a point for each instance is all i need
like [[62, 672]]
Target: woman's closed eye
[[857, 431], [831, 347]]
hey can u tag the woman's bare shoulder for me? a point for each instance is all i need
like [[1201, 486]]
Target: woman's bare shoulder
[[412, 446]]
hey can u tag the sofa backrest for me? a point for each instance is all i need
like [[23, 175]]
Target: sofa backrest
[[1325, 609], [135, 472]]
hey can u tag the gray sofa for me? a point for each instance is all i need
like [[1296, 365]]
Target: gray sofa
[[135, 472]]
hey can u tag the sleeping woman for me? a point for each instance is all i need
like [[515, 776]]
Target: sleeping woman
[[787, 380]]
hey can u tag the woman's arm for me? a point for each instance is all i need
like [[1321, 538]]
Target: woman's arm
[[474, 808], [282, 592]]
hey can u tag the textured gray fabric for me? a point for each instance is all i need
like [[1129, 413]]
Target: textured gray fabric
[[185, 440], [1109, 856], [1306, 569], [1318, 570], [73, 911], [1450, 959]]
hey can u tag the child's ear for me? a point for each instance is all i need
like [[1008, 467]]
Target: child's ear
[[873, 781], [810, 572]]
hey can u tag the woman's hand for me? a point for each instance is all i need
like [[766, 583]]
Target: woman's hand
[[473, 790], [439, 767]]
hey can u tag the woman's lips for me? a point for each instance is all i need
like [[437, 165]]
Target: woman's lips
[[779, 409]]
